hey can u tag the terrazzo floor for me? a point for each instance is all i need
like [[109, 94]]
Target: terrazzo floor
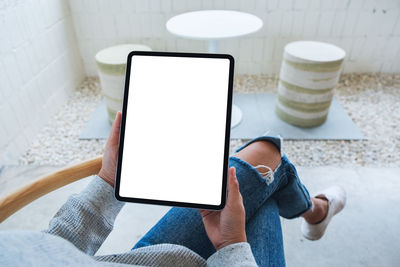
[[371, 100]]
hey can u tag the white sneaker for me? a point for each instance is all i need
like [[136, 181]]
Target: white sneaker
[[336, 197]]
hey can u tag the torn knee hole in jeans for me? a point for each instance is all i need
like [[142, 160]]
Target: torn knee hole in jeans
[[267, 175]]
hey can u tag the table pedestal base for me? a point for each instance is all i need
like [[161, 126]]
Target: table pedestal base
[[236, 116]]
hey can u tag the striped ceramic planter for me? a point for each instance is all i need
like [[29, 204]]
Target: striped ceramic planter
[[111, 66], [309, 73]]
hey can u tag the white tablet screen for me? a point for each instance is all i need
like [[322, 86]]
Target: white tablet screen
[[175, 129]]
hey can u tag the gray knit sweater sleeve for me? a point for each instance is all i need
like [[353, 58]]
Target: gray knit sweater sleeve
[[238, 254], [86, 219]]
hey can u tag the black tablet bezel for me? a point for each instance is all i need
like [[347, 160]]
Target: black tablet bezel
[[227, 131]]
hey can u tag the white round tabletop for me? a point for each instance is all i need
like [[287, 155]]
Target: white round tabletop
[[213, 24]]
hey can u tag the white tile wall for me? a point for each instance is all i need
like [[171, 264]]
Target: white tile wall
[[356, 25], [39, 66]]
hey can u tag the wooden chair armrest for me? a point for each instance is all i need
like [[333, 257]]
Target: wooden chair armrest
[[45, 184]]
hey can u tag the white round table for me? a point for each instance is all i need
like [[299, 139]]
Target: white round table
[[213, 25]]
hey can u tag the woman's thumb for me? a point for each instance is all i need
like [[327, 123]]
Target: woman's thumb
[[233, 184], [115, 129]]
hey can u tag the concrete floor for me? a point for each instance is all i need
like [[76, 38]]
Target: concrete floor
[[366, 233]]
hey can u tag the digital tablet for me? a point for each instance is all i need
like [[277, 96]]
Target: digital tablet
[[175, 129]]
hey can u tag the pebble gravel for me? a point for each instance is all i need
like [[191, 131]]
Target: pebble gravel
[[371, 100]]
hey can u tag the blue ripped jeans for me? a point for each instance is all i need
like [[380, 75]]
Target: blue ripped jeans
[[264, 200]]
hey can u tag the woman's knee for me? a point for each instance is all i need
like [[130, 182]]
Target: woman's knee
[[261, 153]]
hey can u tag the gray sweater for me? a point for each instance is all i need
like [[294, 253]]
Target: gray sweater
[[83, 223]]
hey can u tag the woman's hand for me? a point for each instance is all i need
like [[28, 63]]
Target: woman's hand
[[227, 226], [109, 164]]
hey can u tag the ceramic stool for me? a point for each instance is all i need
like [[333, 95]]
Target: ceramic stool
[[111, 65], [309, 73]]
